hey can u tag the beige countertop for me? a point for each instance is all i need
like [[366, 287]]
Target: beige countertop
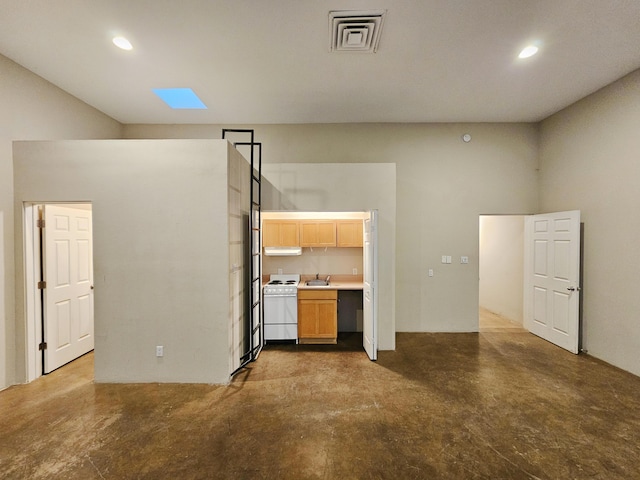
[[333, 285], [337, 282]]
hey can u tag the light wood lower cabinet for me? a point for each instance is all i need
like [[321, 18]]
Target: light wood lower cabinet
[[317, 316]]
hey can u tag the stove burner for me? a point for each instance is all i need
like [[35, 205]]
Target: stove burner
[[291, 282], [275, 282]]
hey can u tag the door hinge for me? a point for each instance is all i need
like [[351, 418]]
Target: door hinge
[[42, 346], [42, 285], [40, 223]]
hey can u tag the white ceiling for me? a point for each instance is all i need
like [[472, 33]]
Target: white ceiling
[[268, 61]]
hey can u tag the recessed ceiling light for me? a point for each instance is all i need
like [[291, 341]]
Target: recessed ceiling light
[[122, 43], [528, 51], [180, 98]]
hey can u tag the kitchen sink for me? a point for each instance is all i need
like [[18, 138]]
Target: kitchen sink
[[317, 283]]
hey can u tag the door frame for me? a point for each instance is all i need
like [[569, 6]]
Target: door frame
[[360, 215], [372, 287], [33, 299], [523, 216], [524, 279]]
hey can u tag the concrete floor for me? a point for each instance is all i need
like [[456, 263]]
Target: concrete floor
[[491, 405]]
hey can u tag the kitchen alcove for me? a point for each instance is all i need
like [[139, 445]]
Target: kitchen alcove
[[331, 245]]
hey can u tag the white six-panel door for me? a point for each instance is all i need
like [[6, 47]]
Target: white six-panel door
[[552, 277], [68, 296], [370, 288]]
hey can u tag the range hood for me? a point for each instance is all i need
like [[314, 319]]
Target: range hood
[[282, 251]]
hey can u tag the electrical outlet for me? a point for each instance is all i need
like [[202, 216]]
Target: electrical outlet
[[279, 271], [431, 272], [464, 259], [159, 351], [355, 271]]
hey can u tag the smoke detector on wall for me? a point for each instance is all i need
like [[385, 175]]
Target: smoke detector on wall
[[355, 30]]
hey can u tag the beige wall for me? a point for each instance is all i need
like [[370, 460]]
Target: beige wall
[[590, 161], [31, 109], [442, 185], [502, 265], [161, 243], [333, 261]]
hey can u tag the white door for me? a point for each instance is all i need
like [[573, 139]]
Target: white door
[[552, 277], [370, 290], [68, 296]]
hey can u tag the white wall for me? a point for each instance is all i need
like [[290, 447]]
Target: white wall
[[32, 109], [161, 242], [590, 161], [502, 265], [442, 185]]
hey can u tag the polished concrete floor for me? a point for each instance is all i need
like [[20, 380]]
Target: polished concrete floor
[[490, 405]]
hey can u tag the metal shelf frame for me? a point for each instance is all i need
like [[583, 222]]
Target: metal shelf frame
[[254, 324]]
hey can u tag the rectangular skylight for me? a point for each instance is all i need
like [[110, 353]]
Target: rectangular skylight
[[180, 98]]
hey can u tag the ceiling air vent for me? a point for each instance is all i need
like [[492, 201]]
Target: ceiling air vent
[[355, 30]]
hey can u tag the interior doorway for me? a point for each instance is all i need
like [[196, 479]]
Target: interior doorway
[[58, 284], [501, 271]]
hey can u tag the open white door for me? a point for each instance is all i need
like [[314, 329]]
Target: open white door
[[370, 290], [68, 296], [552, 277]]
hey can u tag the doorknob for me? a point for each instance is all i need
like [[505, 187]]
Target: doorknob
[[573, 289]]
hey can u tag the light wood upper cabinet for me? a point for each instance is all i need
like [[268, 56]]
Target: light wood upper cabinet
[[312, 233], [280, 233], [317, 233], [349, 233]]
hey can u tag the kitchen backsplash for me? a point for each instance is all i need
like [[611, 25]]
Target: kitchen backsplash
[[333, 261]]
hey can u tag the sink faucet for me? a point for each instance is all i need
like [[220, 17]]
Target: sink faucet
[[328, 278], [317, 276]]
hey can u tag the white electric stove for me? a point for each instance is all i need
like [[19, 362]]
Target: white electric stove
[[280, 299]]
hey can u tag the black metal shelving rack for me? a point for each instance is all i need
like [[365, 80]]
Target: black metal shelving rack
[[254, 318]]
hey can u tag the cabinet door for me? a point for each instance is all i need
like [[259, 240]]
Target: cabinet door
[[280, 233], [289, 234], [327, 319], [270, 233], [317, 233], [349, 233], [307, 318]]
